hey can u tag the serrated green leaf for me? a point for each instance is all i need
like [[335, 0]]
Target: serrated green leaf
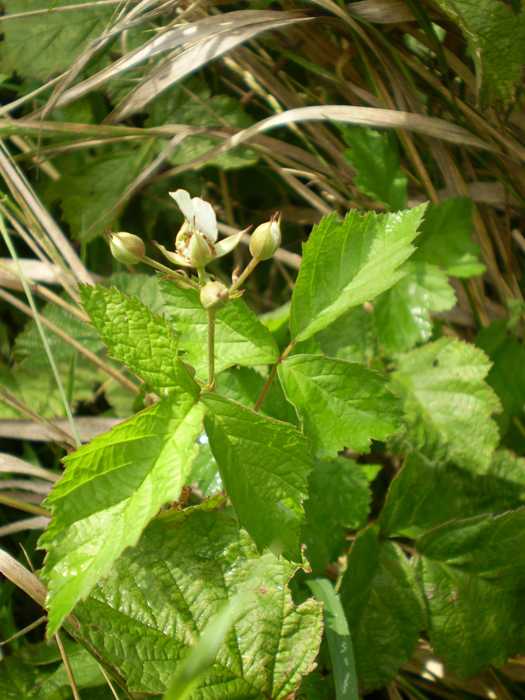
[[19, 678], [383, 607], [264, 465], [339, 499], [446, 238], [375, 158], [340, 404], [346, 263], [447, 404], [472, 576], [425, 495], [111, 489], [87, 192], [507, 374], [352, 337], [240, 338], [496, 37], [245, 384], [135, 336], [402, 314], [47, 44], [160, 596], [146, 287]]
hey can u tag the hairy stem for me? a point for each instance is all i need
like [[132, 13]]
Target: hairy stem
[[271, 376]]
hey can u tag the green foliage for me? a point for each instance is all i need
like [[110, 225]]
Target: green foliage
[[340, 404], [424, 494], [448, 406], [446, 238], [496, 38], [264, 465], [110, 491], [346, 263], [88, 191], [402, 314], [471, 573], [240, 339], [138, 338], [339, 499], [186, 567], [37, 672], [507, 374], [46, 45], [194, 104], [383, 606], [377, 164]]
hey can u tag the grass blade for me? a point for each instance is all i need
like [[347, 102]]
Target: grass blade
[[339, 639]]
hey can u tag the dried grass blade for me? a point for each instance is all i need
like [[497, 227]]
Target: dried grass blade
[[14, 465], [27, 199], [23, 578], [88, 428], [229, 32], [360, 116], [94, 46]]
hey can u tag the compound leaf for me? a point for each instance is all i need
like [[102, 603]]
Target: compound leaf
[[264, 465], [111, 489], [448, 406], [135, 336], [472, 576], [161, 595], [346, 263], [240, 338], [383, 607], [341, 404]]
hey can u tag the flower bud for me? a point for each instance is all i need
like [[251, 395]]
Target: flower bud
[[266, 238], [126, 247], [214, 296], [199, 251]]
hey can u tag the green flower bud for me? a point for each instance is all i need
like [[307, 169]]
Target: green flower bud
[[199, 252], [214, 296], [126, 247], [266, 238]]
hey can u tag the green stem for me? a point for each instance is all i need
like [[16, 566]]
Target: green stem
[[271, 376], [174, 274], [204, 277], [249, 268], [211, 348]]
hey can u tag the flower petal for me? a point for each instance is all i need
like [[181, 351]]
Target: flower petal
[[185, 204], [228, 244], [173, 257], [205, 219]]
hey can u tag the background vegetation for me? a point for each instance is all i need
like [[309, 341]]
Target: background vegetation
[[304, 107]]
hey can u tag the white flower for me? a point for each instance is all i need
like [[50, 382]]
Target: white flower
[[195, 244]]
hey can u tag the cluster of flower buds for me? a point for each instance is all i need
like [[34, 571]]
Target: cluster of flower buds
[[196, 245]]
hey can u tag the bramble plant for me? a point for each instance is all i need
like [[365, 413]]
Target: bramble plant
[[283, 419]]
